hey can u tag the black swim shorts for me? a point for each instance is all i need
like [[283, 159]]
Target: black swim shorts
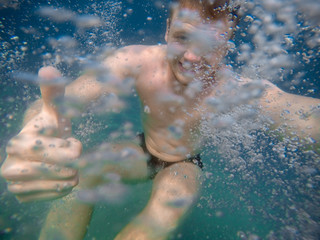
[[155, 164]]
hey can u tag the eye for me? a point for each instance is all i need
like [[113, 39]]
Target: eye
[[181, 37]]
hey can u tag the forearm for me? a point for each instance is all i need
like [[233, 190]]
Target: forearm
[[304, 133], [83, 91], [67, 219], [303, 123], [312, 132], [292, 116]]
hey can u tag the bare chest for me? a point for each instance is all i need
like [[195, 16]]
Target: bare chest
[[163, 107]]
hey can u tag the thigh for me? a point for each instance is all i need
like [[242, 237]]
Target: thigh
[[174, 191]]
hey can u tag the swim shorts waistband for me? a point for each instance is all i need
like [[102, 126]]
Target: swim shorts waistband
[[155, 164]]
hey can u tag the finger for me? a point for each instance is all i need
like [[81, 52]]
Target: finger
[[48, 120], [45, 149], [50, 88], [52, 92], [27, 171], [38, 186], [43, 196], [47, 124], [28, 144]]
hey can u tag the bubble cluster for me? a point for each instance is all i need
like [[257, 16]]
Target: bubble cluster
[[271, 176], [262, 167], [269, 173], [104, 167], [13, 49], [278, 37], [95, 29]]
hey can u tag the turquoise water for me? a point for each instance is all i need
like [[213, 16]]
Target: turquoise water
[[275, 198]]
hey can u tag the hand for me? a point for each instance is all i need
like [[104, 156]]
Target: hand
[[39, 159]]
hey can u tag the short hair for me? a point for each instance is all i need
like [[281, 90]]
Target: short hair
[[211, 9]]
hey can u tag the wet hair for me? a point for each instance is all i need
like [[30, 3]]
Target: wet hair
[[210, 9]]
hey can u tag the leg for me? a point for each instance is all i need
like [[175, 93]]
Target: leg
[[68, 218], [174, 191]]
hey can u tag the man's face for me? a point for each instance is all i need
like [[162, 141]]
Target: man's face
[[196, 47]]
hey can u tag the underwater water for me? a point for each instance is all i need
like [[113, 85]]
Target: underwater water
[[255, 185]]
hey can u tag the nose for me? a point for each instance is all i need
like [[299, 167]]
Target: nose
[[190, 56]]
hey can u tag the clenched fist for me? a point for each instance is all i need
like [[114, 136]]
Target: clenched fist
[[39, 159]]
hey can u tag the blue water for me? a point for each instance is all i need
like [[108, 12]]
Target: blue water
[[268, 204]]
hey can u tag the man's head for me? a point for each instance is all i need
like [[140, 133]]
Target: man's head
[[197, 36], [209, 9]]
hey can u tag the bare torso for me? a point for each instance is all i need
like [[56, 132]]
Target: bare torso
[[171, 113]]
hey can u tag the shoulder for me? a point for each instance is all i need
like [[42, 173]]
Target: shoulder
[[267, 86], [140, 51], [134, 56], [148, 54]]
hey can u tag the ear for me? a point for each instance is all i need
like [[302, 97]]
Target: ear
[[167, 31]]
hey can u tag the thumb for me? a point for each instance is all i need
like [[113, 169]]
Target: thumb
[[51, 89]]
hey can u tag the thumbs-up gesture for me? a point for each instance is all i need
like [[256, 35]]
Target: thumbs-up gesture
[[39, 159]]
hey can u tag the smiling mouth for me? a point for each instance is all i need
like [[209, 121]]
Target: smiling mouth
[[190, 69], [184, 69]]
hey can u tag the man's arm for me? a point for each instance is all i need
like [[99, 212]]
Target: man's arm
[[108, 78], [74, 224], [124, 63], [67, 219], [110, 75], [296, 116], [43, 121]]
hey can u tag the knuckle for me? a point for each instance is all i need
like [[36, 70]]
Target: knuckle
[[76, 145], [15, 188], [11, 147], [9, 171], [4, 173], [46, 171], [10, 150], [67, 173], [67, 185], [74, 152], [23, 145], [73, 172], [75, 141], [77, 152]]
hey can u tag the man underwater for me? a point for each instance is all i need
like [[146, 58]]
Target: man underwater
[[173, 82]]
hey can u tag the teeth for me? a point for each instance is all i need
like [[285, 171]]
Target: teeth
[[187, 65], [190, 67]]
